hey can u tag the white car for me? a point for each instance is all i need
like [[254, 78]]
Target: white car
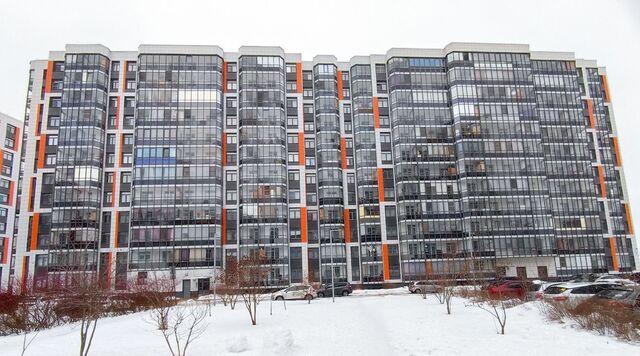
[[295, 292], [575, 291], [424, 287], [612, 278]]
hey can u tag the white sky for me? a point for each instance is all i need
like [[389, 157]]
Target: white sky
[[608, 31]]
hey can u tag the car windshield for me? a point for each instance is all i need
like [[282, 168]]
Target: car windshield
[[554, 290], [615, 293]]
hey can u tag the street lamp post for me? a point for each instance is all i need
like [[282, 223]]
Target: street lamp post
[[333, 285]]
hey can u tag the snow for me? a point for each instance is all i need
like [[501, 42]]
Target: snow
[[371, 322]]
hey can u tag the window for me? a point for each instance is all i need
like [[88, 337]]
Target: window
[[129, 102], [128, 121], [128, 139], [292, 139], [292, 121], [291, 68], [125, 177], [294, 176], [57, 85], [115, 84], [294, 213], [347, 109], [292, 87], [307, 93], [232, 176], [125, 197], [309, 143], [311, 179], [232, 121], [232, 103], [292, 103], [50, 160], [55, 103], [115, 66], [132, 66], [346, 93], [108, 198], [383, 103], [232, 139], [111, 121], [232, 67], [232, 196], [111, 159], [54, 121], [131, 84], [232, 85], [293, 158], [109, 177], [294, 196], [308, 126], [111, 139], [127, 158], [385, 138]]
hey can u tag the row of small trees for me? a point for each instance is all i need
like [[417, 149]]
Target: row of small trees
[[448, 286]]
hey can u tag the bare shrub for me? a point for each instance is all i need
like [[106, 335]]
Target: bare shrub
[[180, 325], [602, 317], [496, 306], [228, 289]]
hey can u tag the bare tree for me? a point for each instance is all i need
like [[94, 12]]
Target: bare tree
[[180, 325], [83, 298], [496, 306], [447, 279], [252, 280]]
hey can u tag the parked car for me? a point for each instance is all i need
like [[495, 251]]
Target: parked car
[[620, 296], [575, 291], [295, 292], [614, 278], [536, 289], [424, 287], [341, 288], [507, 289]]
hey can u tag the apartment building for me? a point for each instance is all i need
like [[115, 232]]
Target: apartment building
[[171, 160], [11, 131]]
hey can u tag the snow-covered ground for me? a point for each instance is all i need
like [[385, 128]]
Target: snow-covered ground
[[384, 322]]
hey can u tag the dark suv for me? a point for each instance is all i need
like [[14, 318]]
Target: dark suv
[[342, 288]]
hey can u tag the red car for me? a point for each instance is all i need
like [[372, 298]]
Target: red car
[[507, 289]]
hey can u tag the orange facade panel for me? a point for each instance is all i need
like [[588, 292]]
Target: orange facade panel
[[108, 271], [224, 149], [113, 189], [616, 148], [35, 225], [11, 188], [299, 77], [304, 233], [340, 96], [223, 236], [17, 139], [376, 113], [592, 118], [385, 261], [603, 187], [49, 77], [117, 112], [115, 233], [38, 118], [347, 226], [380, 185], [627, 212], [5, 251], [41, 150], [605, 86], [614, 253], [32, 192], [301, 148], [343, 151], [123, 85], [224, 77]]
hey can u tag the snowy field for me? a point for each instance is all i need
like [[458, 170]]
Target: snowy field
[[386, 322]]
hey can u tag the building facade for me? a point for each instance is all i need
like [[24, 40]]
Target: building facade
[[11, 131], [171, 160]]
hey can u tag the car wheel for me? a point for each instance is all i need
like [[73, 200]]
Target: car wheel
[[320, 295], [308, 297], [345, 293], [417, 291], [279, 297]]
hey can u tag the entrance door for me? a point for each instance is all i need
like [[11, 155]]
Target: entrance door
[[186, 288]]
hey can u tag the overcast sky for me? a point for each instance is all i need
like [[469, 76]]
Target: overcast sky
[[608, 31]]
